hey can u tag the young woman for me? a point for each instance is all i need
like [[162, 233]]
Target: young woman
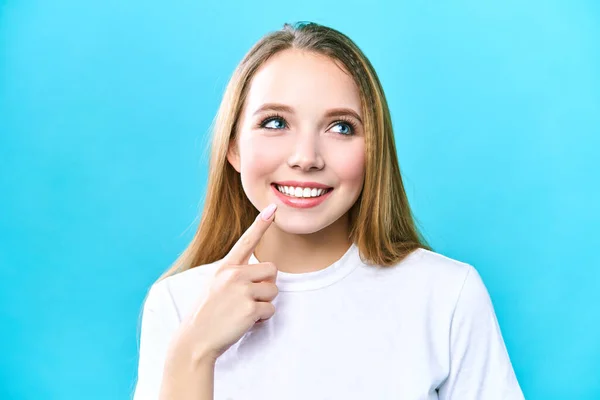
[[330, 292]]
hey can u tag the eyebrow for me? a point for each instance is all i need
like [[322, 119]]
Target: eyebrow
[[334, 112]]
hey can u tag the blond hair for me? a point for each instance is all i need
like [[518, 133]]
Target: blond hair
[[381, 221]]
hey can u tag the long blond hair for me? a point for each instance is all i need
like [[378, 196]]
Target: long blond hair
[[381, 222]]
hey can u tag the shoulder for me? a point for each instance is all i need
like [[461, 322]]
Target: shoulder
[[191, 278], [448, 280], [447, 274], [428, 268], [424, 278], [431, 262], [182, 290], [450, 275]]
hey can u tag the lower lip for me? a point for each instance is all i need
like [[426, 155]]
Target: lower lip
[[301, 202]]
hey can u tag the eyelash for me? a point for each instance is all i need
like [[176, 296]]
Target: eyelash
[[343, 120]]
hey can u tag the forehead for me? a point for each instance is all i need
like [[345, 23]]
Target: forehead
[[304, 80]]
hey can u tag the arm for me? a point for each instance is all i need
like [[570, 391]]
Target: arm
[[480, 368], [185, 380], [166, 369]]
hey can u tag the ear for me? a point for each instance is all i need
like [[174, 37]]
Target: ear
[[233, 155]]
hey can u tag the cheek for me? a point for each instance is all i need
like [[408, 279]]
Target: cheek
[[257, 158], [349, 164]]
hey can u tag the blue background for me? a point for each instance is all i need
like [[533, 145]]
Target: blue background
[[105, 109]]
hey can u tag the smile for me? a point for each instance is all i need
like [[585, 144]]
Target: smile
[[301, 192], [301, 195]]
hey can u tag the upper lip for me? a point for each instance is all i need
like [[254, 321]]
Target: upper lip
[[315, 185]]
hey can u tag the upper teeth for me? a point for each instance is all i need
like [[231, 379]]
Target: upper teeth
[[299, 191]]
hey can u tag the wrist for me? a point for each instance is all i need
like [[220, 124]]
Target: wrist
[[203, 356], [198, 356]]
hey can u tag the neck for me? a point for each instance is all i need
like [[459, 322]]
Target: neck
[[299, 253]]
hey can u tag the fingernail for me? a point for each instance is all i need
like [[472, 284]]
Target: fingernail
[[268, 212]]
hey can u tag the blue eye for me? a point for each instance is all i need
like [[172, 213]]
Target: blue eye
[[273, 123], [277, 122], [346, 128]]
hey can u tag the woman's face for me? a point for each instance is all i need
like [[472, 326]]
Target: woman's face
[[300, 132]]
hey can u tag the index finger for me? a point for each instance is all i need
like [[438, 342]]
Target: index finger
[[242, 249]]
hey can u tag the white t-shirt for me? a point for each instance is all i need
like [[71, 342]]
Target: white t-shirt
[[422, 329]]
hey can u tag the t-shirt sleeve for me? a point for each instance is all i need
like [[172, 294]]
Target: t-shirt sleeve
[[480, 368], [159, 321]]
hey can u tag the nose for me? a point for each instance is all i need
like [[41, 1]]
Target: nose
[[306, 154]]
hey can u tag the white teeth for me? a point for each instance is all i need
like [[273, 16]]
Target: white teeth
[[300, 192]]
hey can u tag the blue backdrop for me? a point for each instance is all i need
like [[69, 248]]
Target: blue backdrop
[[105, 109]]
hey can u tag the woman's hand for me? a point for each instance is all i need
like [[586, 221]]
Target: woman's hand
[[239, 295]]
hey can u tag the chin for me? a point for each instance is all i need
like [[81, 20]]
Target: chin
[[299, 227]]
